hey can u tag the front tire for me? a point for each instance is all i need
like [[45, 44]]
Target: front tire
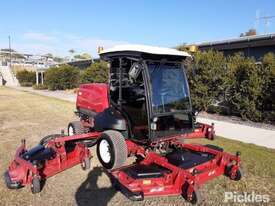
[[36, 185], [111, 149]]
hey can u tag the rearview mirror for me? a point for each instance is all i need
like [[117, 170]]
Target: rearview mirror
[[135, 70]]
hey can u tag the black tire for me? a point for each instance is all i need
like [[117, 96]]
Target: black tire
[[46, 139], [196, 195], [214, 147], [7, 180], [86, 164], [78, 128], [117, 149], [238, 175], [36, 185]]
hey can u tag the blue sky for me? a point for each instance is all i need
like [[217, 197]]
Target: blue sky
[[56, 26]]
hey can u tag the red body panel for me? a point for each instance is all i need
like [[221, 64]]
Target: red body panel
[[93, 97], [173, 181], [22, 171]]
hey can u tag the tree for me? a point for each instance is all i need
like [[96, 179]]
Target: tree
[[58, 59], [235, 85], [72, 51], [268, 90], [207, 78], [97, 72], [26, 78], [86, 56], [62, 77], [246, 87], [83, 56], [49, 55]]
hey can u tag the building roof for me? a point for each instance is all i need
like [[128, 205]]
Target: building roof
[[145, 49], [242, 40]]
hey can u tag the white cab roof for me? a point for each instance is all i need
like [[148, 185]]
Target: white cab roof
[[146, 49]]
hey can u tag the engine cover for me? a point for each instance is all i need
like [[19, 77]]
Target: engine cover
[[92, 97]]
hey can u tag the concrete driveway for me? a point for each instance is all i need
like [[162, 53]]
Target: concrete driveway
[[243, 133]]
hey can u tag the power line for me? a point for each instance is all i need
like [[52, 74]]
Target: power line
[[266, 20]]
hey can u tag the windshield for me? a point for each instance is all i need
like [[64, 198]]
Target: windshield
[[169, 87]]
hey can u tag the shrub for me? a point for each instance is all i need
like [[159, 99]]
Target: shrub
[[268, 90], [233, 85], [207, 79], [246, 87], [97, 72], [26, 84], [62, 77], [26, 78], [39, 87]]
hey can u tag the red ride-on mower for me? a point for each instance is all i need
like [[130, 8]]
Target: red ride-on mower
[[52, 155], [144, 111]]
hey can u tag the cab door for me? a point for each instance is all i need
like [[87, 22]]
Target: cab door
[[135, 106]]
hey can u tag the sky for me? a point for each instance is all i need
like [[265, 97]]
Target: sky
[[56, 26]]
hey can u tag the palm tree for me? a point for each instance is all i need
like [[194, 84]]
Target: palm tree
[[72, 51]]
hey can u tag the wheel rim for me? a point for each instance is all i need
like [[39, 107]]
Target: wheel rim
[[104, 151], [71, 130]]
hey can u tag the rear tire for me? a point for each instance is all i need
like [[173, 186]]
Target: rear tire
[[111, 149], [36, 185], [76, 127]]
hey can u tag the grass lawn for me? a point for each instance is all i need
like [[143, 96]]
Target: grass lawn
[[30, 116]]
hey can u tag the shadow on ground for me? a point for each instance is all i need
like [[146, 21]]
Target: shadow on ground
[[90, 194]]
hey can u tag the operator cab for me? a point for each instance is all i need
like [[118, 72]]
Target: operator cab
[[149, 89]]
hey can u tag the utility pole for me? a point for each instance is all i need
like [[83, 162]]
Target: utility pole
[[10, 48], [266, 20]]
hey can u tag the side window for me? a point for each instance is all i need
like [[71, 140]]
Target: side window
[[114, 80], [132, 89]]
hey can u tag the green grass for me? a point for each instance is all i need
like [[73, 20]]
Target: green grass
[[256, 160], [257, 164]]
